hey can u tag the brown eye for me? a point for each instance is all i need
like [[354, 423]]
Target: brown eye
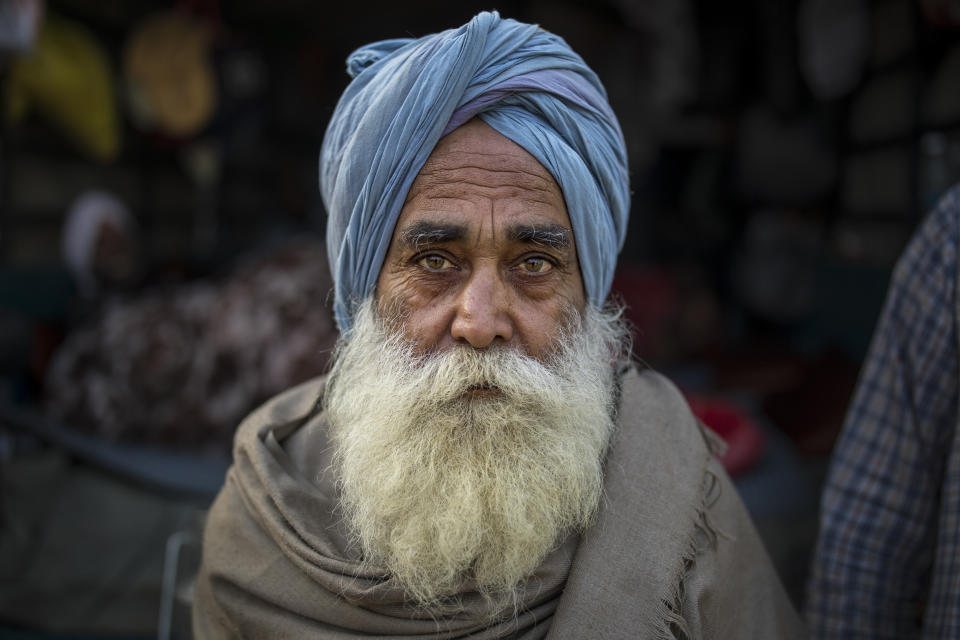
[[434, 262], [536, 265]]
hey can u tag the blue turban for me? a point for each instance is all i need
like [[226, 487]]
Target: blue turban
[[406, 94]]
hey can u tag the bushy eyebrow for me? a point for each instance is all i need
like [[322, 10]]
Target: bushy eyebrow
[[423, 233], [553, 236]]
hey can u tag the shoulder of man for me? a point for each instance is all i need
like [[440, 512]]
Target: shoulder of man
[[283, 413], [249, 579], [674, 552], [650, 391]]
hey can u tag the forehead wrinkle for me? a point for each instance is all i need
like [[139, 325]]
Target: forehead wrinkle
[[523, 173], [435, 201], [536, 190]]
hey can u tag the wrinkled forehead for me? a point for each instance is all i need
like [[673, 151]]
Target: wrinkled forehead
[[478, 156]]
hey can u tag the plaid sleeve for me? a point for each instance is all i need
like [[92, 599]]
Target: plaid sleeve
[[881, 504]]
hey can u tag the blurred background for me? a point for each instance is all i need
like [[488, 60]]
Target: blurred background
[[162, 267]]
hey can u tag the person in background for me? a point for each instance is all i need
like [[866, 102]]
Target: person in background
[[180, 365], [101, 245], [483, 461], [887, 562]]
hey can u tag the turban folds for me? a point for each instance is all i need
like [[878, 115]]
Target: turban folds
[[406, 94]]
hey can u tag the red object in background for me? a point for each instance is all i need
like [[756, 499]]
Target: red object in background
[[745, 441]]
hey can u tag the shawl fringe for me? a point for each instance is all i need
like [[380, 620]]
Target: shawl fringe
[[704, 536]]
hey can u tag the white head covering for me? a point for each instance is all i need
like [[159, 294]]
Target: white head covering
[[87, 215]]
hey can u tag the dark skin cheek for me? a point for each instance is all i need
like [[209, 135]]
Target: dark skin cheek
[[402, 293], [539, 288], [416, 284], [421, 287], [422, 301], [431, 299], [423, 319]]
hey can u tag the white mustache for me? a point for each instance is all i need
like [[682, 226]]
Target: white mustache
[[448, 376]]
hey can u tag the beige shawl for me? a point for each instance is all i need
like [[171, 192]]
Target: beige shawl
[[673, 553]]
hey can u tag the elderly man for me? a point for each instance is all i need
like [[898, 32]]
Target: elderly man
[[481, 462]]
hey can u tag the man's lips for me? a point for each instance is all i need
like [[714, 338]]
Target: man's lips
[[482, 391]]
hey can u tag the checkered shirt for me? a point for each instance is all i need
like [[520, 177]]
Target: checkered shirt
[[887, 562]]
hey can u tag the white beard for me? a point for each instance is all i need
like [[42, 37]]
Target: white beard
[[440, 487]]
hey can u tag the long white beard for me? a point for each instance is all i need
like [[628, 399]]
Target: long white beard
[[439, 486]]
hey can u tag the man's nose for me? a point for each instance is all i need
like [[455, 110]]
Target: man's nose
[[482, 314]]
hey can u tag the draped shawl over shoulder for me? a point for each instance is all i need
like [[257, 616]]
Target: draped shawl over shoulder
[[406, 94], [672, 554]]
